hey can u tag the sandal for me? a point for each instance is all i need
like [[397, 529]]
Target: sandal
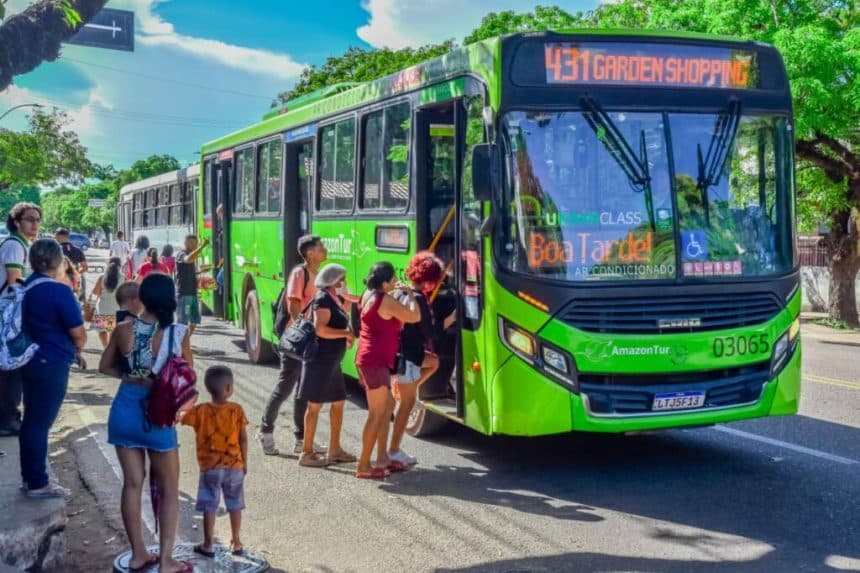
[[312, 460], [198, 549], [375, 473], [147, 565], [396, 466], [342, 457]]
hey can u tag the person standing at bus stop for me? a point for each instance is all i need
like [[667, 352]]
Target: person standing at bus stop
[[187, 303], [299, 293], [23, 225]]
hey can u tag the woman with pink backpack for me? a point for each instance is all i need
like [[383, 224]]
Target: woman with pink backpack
[[136, 353]]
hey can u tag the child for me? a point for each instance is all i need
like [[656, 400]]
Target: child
[[222, 453], [128, 301]]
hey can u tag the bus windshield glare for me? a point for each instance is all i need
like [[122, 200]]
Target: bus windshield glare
[[596, 195]]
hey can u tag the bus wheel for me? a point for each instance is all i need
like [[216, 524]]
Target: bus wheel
[[259, 350], [422, 422]]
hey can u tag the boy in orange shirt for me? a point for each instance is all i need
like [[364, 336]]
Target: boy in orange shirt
[[222, 453]]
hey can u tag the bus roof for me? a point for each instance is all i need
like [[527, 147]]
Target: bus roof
[[190, 172], [481, 58]]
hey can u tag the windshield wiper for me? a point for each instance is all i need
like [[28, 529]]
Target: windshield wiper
[[711, 166], [635, 168]]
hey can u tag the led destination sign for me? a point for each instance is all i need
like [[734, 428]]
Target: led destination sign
[[649, 65]]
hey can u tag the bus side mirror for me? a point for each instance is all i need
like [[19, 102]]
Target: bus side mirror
[[484, 171]]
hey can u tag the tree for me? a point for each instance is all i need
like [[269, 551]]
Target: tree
[[144, 168], [360, 65], [44, 154], [35, 35], [16, 194], [510, 22], [820, 43]]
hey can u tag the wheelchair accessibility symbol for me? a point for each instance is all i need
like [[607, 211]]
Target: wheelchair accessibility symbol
[[694, 245]]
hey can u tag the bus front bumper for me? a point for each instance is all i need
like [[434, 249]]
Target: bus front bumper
[[542, 406]]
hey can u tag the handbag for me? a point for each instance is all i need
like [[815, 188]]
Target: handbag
[[299, 340]]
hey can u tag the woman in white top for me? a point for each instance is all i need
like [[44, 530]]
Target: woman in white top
[[138, 255], [104, 318], [134, 354]]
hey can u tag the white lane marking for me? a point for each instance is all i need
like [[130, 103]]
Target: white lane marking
[[787, 446]]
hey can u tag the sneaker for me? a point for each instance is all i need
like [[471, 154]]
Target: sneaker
[[402, 457], [300, 446], [267, 442]]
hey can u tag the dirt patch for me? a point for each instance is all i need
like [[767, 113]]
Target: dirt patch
[[92, 543]]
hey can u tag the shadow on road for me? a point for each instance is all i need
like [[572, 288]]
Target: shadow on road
[[806, 509]]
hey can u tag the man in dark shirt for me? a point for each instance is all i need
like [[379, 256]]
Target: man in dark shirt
[[187, 303]]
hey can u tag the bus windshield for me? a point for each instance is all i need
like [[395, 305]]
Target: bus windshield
[[595, 195]]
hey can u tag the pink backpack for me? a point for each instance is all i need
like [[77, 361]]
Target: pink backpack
[[173, 388]]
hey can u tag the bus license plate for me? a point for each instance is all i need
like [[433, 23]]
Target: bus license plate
[[678, 401]]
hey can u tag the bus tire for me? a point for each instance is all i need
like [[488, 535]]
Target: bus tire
[[259, 350], [422, 422]]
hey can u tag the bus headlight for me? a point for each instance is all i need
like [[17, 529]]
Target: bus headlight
[[518, 340], [555, 359], [784, 347]]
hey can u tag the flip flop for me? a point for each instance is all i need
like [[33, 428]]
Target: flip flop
[[198, 549], [395, 466], [239, 552], [147, 565], [375, 473]]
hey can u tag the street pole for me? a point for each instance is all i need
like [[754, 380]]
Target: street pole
[[10, 110]]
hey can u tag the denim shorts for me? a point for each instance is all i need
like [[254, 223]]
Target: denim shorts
[[213, 482], [413, 373], [127, 424]]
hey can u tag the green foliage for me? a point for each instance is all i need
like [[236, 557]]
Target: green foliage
[[70, 15], [17, 194], [510, 22], [360, 65], [46, 153], [2, 9]]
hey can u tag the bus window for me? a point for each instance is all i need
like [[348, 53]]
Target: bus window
[[207, 187], [385, 183], [470, 220], [269, 167], [337, 167], [244, 198]]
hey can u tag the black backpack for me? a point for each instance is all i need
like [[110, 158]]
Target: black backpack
[[282, 317]]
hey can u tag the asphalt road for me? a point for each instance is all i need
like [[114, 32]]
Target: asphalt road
[[779, 494]]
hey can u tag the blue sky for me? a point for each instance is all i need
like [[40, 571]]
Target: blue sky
[[200, 69]]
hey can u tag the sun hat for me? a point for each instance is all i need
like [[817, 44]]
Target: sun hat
[[330, 275]]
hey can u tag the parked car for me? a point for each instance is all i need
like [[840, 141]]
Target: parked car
[[80, 241], [4, 231]]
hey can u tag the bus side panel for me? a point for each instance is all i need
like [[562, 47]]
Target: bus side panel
[[244, 264], [786, 400], [268, 280]]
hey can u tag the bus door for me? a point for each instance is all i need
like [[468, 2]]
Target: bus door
[[222, 194], [299, 158]]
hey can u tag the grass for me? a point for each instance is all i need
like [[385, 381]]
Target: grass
[[835, 323]]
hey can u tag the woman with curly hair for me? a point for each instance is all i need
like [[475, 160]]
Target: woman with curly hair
[[424, 272]]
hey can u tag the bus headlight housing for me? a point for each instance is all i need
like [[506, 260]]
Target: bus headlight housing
[[544, 356], [784, 347]]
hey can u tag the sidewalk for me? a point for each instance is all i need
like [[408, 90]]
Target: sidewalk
[[32, 533], [809, 329]]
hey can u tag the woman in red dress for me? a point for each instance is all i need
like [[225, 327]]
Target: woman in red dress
[[152, 264], [382, 317]]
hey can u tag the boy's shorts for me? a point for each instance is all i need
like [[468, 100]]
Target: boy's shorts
[[213, 482], [187, 309], [413, 373]]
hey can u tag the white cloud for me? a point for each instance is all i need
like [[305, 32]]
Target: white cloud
[[250, 60], [82, 118], [404, 23]]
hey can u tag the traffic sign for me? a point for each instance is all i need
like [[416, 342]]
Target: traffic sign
[[97, 202], [110, 29]]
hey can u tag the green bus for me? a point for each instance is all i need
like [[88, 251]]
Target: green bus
[[616, 210]]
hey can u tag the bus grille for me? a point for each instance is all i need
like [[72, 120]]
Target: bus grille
[[671, 314], [614, 394]]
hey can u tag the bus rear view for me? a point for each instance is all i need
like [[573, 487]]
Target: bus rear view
[[643, 263]]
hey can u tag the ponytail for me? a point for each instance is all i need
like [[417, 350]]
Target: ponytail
[[152, 255], [111, 280], [380, 273]]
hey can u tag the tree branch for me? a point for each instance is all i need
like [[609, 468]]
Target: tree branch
[[840, 150], [34, 36]]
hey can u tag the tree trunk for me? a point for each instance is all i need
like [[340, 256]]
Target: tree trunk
[[844, 263], [33, 36]]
